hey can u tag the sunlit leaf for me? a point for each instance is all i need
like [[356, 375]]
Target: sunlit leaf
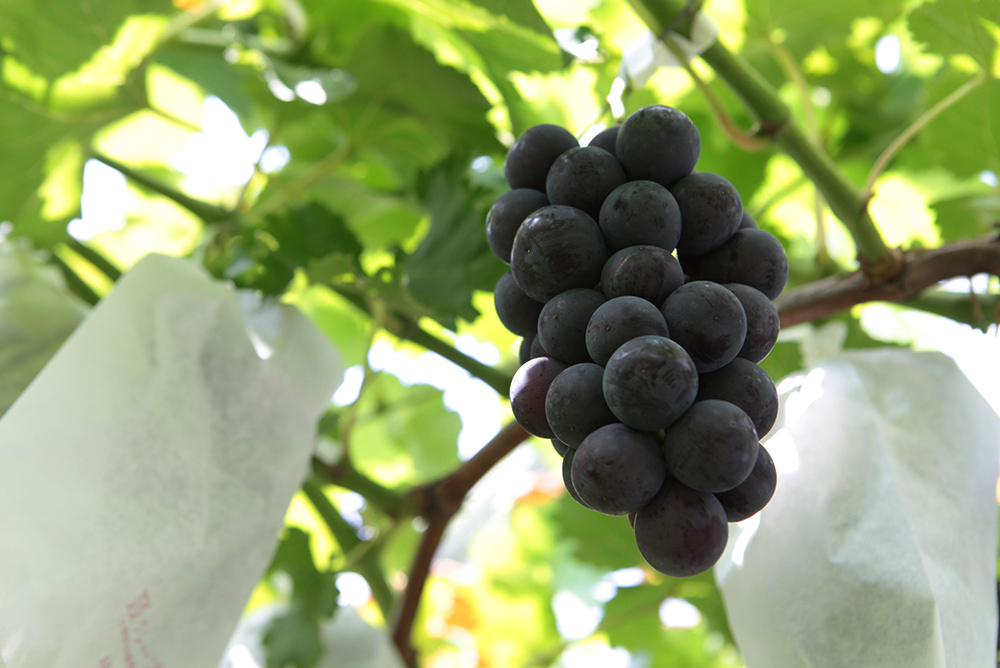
[[55, 38]]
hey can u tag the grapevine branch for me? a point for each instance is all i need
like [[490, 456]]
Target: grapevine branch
[[921, 269], [438, 502]]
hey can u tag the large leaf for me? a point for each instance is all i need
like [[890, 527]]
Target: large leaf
[[48, 123], [522, 12], [404, 434], [29, 143], [293, 637], [965, 138], [969, 216], [604, 541], [453, 260], [632, 621], [310, 231], [54, 38], [395, 74], [806, 25]]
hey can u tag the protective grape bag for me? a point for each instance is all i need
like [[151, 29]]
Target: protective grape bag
[[146, 471], [879, 547]]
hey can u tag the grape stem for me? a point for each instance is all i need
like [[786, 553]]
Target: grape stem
[[847, 202], [920, 269]]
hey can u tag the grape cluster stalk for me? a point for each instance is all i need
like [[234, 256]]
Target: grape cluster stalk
[[643, 292]]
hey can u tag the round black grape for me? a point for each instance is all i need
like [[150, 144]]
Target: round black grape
[[517, 311], [606, 139], [575, 405], [562, 324], [559, 447], [567, 475], [538, 350], [640, 213], [711, 211], [527, 394], [619, 320], [747, 221], [743, 383], [524, 350], [763, 322], [506, 215], [753, 257], [649, 272], [529, 159], [658, 143], [583, 177], [712, 447], [617, 470], [750, 496], [649, 382], [557, 248], [708, 321], [681, 532]]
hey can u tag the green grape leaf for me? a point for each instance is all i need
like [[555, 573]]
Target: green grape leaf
[[604, 541], [342, 322], [804, 25], [210, 71], [29, 143], [310, 231], [55, 38], [522, 12], [632, 620], [293, 637], [416, 87], [965, 138], [951, 27], [404, 435], [968, 216], [785, 358], [454, 259]]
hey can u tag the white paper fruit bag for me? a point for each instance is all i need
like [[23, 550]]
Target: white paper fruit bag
[[879, 547], [145, 473]]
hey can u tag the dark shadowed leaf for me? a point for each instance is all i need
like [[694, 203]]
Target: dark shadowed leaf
[[453, 259]]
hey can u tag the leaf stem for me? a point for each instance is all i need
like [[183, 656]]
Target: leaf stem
[[75, 284], [209, 213], [343, 474], [93, 257], [404, 327], [497, 379]]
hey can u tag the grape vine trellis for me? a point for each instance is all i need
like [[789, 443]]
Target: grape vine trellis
[[247, 230]]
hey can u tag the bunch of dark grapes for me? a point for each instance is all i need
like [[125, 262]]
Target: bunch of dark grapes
[[643, 292]]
